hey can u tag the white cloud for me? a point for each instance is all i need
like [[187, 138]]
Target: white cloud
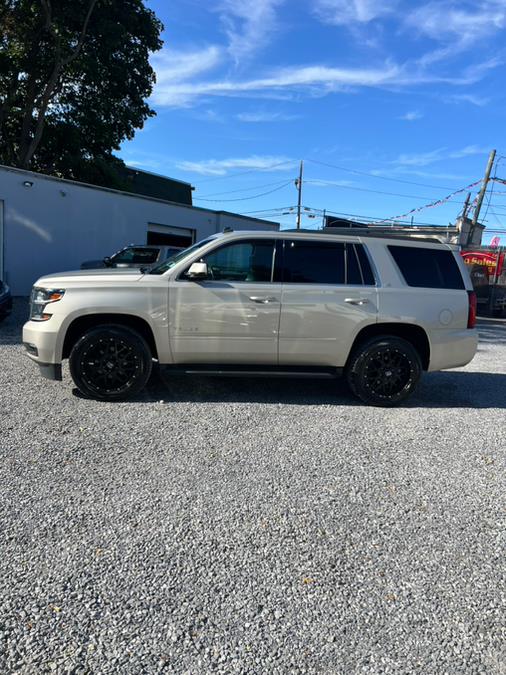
[[346, 12], [479, 101], [457, 26], [330, 183], [220, 167], [439, 155], [408, 171], [453, 20], [173, 67], [411, 116], [315, 80], [266, 117], [248, 25], [143, 163], [469, 150], [319, 80]]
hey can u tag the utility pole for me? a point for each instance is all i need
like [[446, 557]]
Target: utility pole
[[298, 185], [484, 185], [466, 205], [493, 290]]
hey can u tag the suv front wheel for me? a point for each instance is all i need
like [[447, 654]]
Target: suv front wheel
[[384, 371], [110, 363]]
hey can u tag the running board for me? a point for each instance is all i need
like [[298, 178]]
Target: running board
[[260, 371]]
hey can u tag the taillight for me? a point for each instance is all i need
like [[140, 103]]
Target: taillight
[[471, 317]]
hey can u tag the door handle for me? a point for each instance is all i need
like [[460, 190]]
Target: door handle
[[356, 301], [262, 299]]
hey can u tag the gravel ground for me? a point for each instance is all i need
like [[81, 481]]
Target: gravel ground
[[250, 526]]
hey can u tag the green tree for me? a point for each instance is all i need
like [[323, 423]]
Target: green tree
[[74, 78]]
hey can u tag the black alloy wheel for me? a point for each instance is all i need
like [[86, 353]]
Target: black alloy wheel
[[110, 363], [384, 371]]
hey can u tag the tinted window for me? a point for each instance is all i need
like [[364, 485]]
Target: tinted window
[[353, 273], [365, 265], [143, 256], [171, 251], [427, 268], [313, 262], [242, 261]]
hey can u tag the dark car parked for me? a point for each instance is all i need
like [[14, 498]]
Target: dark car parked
[[134, 256], [5, 301]]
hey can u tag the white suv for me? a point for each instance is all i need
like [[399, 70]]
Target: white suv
[[379, 310]]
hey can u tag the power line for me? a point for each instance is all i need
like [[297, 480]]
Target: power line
[[380, 192], [243, 173], [372, 175], [276, 208], [357, 216], [253, 187], [498, 220], [242, 199]]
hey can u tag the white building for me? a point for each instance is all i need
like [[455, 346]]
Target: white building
[[51, 225]]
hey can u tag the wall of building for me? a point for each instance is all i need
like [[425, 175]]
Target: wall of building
[[53, 225]]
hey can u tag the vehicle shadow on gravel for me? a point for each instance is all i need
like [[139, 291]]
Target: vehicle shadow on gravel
[[447, 389], [11, 328], [492, 332]]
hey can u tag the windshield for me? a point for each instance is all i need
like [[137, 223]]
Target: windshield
[[168, 264]]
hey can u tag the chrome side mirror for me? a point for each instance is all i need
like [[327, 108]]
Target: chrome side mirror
[[198, 270]]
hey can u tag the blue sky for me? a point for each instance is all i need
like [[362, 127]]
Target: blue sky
[[410, 93]]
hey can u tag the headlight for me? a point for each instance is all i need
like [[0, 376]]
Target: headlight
[[40, 298]]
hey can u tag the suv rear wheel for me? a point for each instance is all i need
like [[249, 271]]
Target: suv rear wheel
[[110, 363], [384, 370]]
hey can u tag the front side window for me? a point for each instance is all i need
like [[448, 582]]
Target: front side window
[[249, 260], [313, 262]]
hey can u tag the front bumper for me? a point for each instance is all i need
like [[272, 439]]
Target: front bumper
[[50, 371], [40, 339]]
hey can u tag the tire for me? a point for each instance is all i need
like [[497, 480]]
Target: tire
[[110, 363], [384, 370]]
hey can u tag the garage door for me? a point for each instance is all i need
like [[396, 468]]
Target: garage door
[[169, 235]]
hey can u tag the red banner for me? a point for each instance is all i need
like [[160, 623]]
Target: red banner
[[486, 259]]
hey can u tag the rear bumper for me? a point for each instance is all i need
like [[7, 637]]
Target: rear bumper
[[452, 349]]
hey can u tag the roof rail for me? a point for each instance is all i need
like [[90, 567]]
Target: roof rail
[[369, 232]]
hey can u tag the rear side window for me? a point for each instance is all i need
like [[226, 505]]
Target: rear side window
[[313, 262], [358, 267], [325, 262], [427, 267], [365, 266]]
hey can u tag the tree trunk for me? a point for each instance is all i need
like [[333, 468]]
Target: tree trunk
[[28, 147]]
